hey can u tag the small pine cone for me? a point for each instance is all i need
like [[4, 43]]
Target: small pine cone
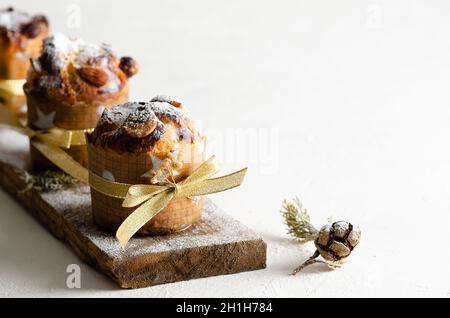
[[335, 242]]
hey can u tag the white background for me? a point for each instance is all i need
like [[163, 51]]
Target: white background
[[355, 95]]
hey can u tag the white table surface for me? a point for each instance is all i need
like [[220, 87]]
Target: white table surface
[[348, 105]]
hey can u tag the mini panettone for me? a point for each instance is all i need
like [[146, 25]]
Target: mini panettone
[[152, 142], [68, 87], [21, 38]]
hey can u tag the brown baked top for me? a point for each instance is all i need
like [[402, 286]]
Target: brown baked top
[[17, 26], [158, 126], [70, 72]]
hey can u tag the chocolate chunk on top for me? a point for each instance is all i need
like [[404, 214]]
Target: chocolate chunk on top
[[129, 66]]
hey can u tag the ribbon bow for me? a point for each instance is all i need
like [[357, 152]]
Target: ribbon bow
[[151, 199], [50, 143], [10, 88]]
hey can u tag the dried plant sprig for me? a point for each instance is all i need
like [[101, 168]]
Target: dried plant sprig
[[297, 219], [47, 181]]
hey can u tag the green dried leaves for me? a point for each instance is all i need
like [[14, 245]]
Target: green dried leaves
[[47, 181], [297, 220]]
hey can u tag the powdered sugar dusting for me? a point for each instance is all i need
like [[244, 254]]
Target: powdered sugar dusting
[[164, 109], [87, 51], [66, 50], [58, 47], [117, 114], [215, 228], [64, 44], [12, 19]]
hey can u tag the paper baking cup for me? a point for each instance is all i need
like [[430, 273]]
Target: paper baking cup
[[129, 168], [76, 117]]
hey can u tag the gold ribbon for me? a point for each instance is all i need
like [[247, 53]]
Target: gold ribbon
[[10, 88], [62, 138], [151, 199], [51, 143]]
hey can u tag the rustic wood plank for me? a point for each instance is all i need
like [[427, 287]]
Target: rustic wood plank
[[217, 245]]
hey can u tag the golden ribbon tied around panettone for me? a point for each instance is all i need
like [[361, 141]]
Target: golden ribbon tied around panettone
[[10, 88], [51, 143], [151, 199]]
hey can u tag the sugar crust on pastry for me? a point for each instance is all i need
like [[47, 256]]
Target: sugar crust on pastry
[[69, 71], [159, 126]]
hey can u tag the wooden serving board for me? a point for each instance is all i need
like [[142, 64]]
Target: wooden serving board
[[217, 245]]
